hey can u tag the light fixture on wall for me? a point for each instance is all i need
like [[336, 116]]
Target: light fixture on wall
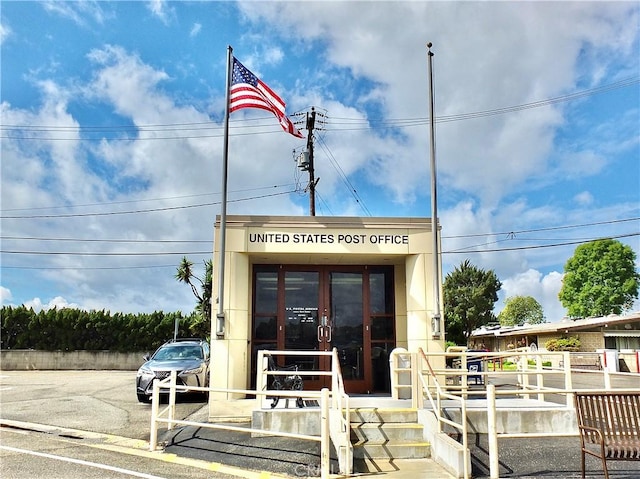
[[220, 325], [435, 326]]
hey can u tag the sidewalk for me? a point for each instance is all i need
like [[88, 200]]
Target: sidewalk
[[276, 456], [530, 458]]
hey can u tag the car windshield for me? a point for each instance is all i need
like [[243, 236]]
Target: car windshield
[[178, 351]]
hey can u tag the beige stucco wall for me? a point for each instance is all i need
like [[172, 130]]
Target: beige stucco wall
[[404, 243]]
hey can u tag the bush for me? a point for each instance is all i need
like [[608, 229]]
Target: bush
[[70, 329], [545, 364], [563, 344]]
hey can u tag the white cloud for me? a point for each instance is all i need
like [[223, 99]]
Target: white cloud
[[489, 168], [161, 9], [584, 198], [544, 288], [58, 302], [5, 32], [195, 30], [5, 295], [78, 12], [530, 55]]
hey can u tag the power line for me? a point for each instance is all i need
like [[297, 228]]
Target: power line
[[511, 235], [84, 268], [94, 240], [150, 210], [105, 253], [550, 228], [569, 243], [345, 179], [208, 253], [497, 111], [268, 128], [143, 200]]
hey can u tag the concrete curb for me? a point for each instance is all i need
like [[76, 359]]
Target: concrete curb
[[137, 447]]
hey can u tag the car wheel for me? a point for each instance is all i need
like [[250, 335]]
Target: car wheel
[[143, 398]]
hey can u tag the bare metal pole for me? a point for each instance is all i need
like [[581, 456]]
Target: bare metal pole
[[435, 321], [220, 320]]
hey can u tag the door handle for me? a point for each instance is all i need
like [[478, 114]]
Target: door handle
[[328, 334], [320, 333]]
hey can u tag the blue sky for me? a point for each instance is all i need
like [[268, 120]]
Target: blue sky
[[112, 134]]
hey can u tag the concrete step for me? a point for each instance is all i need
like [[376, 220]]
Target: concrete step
[[382, 415], [389, 451], [403, 468], [386, 432], [380, 436]]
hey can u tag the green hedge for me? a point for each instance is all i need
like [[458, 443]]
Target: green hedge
[[563, 344], [74, 329]]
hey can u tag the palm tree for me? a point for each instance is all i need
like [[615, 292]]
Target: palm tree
[[202, 290]]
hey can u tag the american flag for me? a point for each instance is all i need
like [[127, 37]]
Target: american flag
[[248, 91]]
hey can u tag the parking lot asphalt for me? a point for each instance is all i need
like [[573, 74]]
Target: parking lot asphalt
[[105, 402], [523, 458]]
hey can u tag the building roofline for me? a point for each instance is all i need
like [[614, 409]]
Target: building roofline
[[566, 325]]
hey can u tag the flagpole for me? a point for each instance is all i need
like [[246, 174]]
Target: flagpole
[[220, 319], [435, 321]]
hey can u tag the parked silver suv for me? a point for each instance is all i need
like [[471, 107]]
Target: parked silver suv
[[189, 357]]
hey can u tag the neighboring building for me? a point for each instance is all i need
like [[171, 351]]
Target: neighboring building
[[361, 285], [613, 332]]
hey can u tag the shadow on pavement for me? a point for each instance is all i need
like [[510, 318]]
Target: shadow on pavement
[[289, 456]]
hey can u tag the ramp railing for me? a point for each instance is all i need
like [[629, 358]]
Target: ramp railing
[[543, 375], [333, 410]]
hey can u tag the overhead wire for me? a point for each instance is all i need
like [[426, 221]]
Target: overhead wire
[[265, 122], [343, 176], [149, 210], [369, 124], [141, 200]]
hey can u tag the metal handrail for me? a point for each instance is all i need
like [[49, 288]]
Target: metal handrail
[[524, 388], [340, 415], [171, 421], [334, 408], [437, 409]]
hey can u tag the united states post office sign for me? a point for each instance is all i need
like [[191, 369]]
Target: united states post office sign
[[359, 241]]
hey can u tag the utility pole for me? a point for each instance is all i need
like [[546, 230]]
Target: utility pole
[[305, 159], [311, 123]]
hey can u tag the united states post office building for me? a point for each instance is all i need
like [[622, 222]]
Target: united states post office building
[[361, 285]]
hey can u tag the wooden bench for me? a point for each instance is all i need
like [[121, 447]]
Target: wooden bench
[[584, 361], [609, 426]]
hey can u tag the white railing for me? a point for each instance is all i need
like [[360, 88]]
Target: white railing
[[339, 412], [436, 406], [531, 371], [334, 410]]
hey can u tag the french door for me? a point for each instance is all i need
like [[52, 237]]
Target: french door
[[319, 308]]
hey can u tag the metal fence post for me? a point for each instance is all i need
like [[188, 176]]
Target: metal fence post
[[492, 436], [568, 380], [172, 399], [325, 450], [155, 402]]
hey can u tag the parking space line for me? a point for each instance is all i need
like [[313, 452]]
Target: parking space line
[[81, 462]]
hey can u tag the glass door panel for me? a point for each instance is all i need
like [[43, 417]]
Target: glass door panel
[[301, 302], [346, 322]]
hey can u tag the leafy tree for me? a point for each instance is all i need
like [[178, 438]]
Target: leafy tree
[[600, 279], [202, 292], [469, 296], [519, 310]]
